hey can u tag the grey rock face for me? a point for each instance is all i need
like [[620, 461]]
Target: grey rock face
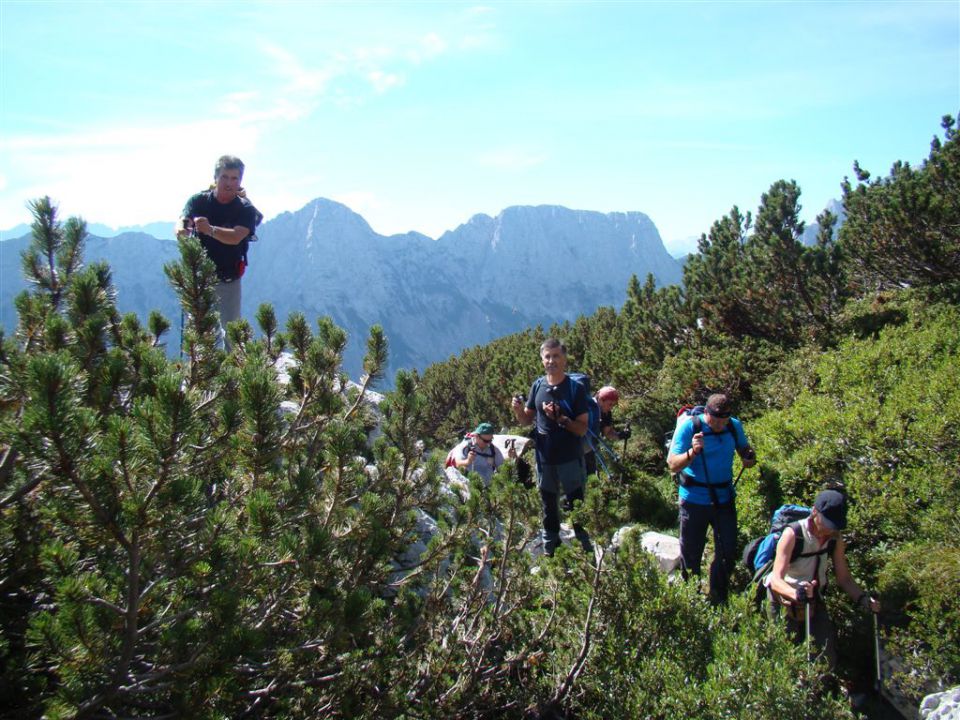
[[488, 278]]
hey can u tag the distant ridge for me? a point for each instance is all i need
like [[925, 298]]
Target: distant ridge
[[489, 277]]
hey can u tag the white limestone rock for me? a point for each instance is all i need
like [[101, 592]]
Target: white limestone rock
[[283, 364], [941, 706], [456, 487], [665, 548]]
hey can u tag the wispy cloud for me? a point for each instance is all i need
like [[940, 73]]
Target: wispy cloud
[[383, 81], [478, 28], [126, 170], [119, 175], [429, 46], [129, 173]]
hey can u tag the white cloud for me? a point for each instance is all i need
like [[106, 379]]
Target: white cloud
[[382, 81], [431, 45], [124, 174], [480, 31], [119, 175], [295, 75]]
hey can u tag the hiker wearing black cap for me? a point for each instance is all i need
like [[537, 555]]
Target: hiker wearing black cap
[[701, 455], [478, 453], [558, 404], [796, 587]]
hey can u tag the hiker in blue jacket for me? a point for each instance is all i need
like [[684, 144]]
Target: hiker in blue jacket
[[225, 222], [793, 585], [701, 455], [558, 404]]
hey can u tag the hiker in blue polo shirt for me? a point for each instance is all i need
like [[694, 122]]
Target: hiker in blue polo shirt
[[701, 455]]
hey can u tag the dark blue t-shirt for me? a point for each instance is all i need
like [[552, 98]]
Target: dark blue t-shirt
[[554, 444], [239, 212]]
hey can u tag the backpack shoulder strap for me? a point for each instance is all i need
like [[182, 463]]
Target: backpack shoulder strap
[[798, 543], [536, 385], [571, 392], [798, 546]]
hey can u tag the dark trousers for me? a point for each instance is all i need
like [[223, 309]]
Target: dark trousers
[[590, 462], [550, 504], [823, 635], [694, 521]]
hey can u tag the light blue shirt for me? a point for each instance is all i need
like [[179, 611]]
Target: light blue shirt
[[718, 449]]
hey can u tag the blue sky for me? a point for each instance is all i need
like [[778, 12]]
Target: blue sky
[[419, 115]]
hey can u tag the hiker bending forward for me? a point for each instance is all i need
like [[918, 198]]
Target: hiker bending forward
[[606, 400], [793, 586], [702, 456], [559, 406]]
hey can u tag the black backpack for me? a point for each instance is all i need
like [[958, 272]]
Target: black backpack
[[692, 411]]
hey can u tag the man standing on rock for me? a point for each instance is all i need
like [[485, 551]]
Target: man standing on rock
[[559, 406], [225, 222]]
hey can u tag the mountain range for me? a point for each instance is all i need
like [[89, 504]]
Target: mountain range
[[487, 278]]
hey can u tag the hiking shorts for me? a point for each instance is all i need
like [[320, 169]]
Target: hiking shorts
[[563, 478]]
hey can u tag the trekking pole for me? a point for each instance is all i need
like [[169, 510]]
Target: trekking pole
[[602, 444], [876, 651], [742, 468], [603, 465], [809, 656]]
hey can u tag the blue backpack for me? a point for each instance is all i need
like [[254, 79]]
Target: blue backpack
[[593, 409], [760, 552]]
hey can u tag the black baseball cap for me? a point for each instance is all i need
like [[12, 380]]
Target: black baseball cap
[[832, 506]]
